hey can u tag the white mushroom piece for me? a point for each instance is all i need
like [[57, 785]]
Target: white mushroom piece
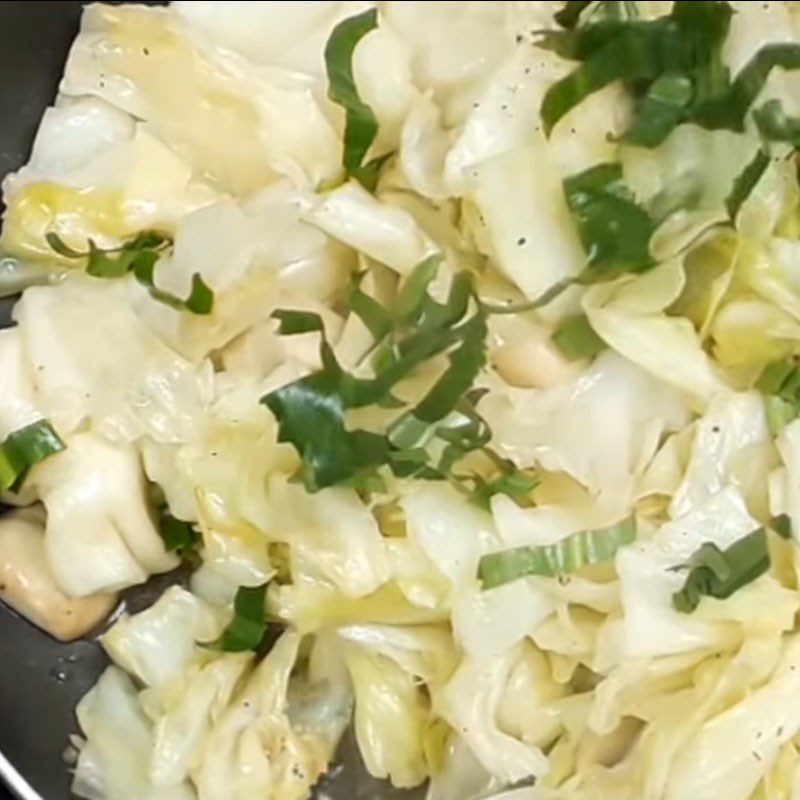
[[28, 585]]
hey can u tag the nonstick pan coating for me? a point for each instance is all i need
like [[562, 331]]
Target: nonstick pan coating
[[40, 680]]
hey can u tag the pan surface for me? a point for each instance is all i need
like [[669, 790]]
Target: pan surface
[[42, 680]]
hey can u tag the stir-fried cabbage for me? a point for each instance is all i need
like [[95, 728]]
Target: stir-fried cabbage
[[452, 351]]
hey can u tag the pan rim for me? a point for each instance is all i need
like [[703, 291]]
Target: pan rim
[[15, 781]]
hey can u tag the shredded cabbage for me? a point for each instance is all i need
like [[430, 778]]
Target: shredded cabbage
[[507, 193]]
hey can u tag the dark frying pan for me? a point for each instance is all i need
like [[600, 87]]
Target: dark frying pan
[[41, 680]]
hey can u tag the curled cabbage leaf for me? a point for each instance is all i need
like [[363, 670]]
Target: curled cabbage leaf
[[559, 428], [95, 173], [333, 533], [158, 645], [629, 316], [383, 232], [93, 360], [253, 749], [391, 717], [488, 623], [18, 406], [99, 535], [119, 739], [199, 97], [732, 424], [470, 703], [733, 751], [452, 534], [523, 217], [279, 34]]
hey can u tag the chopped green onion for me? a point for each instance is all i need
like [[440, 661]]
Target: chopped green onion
[[662, 108], [570, 14], [311, 411], [614, 229], [779, 413], [561, 558], [138, 255], [544, 299], [200, 300], [775, 377], [310, 414], [24, 448], [58, 245], [745, 182], [377, 320], [112, 262], [775, 125], [686, 44], [719, 573], [248, 628], [675, 64], [782, 525], [414, 292], [728, 109], [426, 440], [368, 174], [178, 536], [465, 362], [780, 383], [576, 339], [511, 482], [361, 125]]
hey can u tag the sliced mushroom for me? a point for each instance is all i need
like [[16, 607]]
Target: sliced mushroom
[[28, 586]]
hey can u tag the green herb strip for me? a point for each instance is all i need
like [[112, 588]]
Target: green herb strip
[[745, 182], [576, 339], [674, 66], [139, 256], [361, 125], [561, 558], [311, 411], [719, 573], [24, 448], [248, 628], [614, 230]]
